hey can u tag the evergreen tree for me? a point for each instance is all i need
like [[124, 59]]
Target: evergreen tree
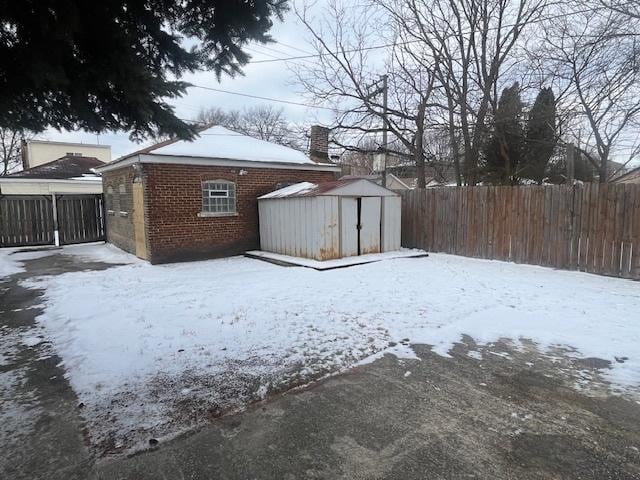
[[504, 148], [541, 136], [111, 64]]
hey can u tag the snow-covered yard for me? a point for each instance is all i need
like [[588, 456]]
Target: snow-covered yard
[[149, 348]]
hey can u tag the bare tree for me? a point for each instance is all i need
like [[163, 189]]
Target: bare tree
[[360, 157], [346, 76], [471, 45], [264, 122], [624, 7], [445, 61], [217, 116], [592, 53], [11, 149]]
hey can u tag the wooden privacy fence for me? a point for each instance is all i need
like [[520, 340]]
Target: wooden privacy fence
[[593, 228], [31, 219]]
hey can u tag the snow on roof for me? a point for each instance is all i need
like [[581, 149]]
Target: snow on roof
[[291, 190], [220, 142], [344, 186]]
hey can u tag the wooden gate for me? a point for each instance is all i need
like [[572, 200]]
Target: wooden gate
[[80, 218], [26, 220], [31, 219]]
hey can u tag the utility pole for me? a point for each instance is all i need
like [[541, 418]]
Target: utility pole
[[384, 89], [385, 126], [570, 163]]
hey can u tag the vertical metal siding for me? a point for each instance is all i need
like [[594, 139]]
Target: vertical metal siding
[[349, 226], [334, 227], [370, 225], [325, 227], [391, 223], [263, 221]]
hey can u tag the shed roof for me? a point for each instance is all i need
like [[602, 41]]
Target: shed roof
[[67, 167], [347, 187]]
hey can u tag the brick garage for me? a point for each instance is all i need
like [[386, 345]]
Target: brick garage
[[175, 226]]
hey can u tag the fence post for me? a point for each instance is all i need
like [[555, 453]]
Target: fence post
[[56, 234]]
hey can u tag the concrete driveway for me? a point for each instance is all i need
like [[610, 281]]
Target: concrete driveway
[[514, 413], [431, 419]]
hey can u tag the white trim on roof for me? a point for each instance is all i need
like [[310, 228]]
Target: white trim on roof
[[214, 162], [400, 181], [50, 180], [72, 144]]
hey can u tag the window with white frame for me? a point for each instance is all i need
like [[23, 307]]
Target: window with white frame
[[218, 196]]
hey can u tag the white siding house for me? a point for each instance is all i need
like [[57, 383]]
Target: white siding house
[[330, 220], [39, 152]]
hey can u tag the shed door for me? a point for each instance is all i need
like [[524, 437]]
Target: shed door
[[369, 225], [348, 226]]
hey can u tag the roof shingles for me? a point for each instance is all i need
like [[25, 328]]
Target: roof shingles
[[61, 169]]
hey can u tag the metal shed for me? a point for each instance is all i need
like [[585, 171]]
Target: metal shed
[[330, 220]]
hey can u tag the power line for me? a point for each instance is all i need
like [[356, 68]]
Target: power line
[[253, 50], [408, 42], [302, 57], [269, 99], [291, 46]]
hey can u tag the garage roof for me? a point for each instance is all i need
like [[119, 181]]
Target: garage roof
[[67, 167], [220, 146]]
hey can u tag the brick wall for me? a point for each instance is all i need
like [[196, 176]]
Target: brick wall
[[118, 200], [173, 199]]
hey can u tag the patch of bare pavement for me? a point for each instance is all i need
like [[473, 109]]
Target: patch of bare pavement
[[510, 414], [487, 412], [42, 434]]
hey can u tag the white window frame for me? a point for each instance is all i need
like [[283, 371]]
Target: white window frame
[[212, 192]]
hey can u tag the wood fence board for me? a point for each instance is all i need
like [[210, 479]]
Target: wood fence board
[[626, 239], [591, 227], [635, 235]]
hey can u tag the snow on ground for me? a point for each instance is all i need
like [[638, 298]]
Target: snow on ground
[[8, 264], [12, 259], [101, 252], [140, 341]]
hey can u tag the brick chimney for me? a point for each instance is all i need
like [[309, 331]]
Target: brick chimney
[[319, 145]]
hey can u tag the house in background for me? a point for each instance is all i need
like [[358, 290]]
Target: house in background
[[54, 203], [57, 167], [69, 175], [38, 152], [180, 200], [631, 176]]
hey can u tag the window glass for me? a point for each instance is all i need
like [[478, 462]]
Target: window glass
[[218, 196]]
